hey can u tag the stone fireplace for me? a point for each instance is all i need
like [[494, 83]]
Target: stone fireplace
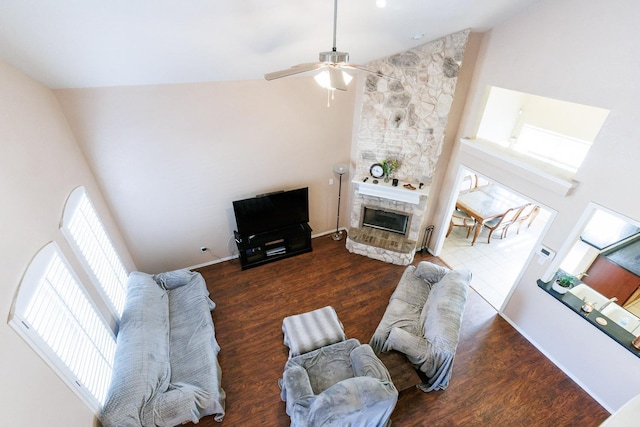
[[402, 120], [390, 234]]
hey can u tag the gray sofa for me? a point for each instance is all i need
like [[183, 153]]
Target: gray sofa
[[423, 320], [166, 369]]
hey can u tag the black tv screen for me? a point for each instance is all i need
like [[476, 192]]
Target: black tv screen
[[272, 211]]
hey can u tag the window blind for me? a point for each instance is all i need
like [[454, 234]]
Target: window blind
[[88, 234], [62, 315]]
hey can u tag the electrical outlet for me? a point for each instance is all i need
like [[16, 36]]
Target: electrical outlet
[[203, 249], [330, 181]]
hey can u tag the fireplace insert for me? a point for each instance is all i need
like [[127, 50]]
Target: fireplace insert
[[395, 222]]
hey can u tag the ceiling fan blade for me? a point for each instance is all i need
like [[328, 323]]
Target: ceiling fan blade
[[337, 78], [296, 69], [369, 70]]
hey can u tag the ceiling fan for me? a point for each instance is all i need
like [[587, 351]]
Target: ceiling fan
[[333, 65]]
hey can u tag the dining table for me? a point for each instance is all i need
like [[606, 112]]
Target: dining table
[[487, 202]]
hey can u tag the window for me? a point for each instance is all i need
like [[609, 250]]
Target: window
[[69, 324], [87, 236], [56, 316], [551, 147], [556, 132]]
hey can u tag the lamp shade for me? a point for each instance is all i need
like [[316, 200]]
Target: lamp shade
[[341, 168]]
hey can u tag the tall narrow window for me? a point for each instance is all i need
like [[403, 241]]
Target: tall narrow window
[[87, 236], [55, 315]]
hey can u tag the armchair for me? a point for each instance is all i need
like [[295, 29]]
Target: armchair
[[340, 384]]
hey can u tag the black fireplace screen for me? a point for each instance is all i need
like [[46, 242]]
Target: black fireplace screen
[[385, 220]]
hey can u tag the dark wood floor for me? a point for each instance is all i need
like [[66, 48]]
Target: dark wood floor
[[499, 378]]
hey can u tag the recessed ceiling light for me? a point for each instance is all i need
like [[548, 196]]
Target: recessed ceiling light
[[381, 3], [418, 36]]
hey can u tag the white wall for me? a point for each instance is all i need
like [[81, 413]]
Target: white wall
[[171, 159], [587, 53], [40, 164]]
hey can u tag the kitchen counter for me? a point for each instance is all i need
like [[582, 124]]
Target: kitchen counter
[[612, 329]]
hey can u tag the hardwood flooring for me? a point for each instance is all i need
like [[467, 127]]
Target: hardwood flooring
[[499, 378]]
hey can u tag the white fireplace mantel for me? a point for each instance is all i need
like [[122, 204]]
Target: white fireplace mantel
[[387, 191]]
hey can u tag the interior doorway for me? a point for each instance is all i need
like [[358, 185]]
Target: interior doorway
[[495, 265]]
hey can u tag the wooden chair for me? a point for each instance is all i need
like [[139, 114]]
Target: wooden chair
[[468, 182], [528, 214], [461, 219], [502, 223]]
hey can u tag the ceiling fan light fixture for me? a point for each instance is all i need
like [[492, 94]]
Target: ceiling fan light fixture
[[339, 79]]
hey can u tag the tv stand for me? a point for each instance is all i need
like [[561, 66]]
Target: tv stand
[[262, 248]]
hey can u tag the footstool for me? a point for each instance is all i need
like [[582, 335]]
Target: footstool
[[309, 331]]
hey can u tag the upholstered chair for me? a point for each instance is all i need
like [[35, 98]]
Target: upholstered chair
[[342, 384]]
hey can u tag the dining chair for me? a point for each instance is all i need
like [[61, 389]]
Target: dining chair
[[468, 182], [502, 222], [461, 219], [528, 214]]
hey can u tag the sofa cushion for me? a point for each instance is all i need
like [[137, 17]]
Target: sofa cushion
[[411, 289], [444, 309], [406, 303], [430, 272], [193, 347], [141, 366], [357, 401], [328, 365]]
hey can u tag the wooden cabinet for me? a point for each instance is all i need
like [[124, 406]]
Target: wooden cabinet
[[611, 280]]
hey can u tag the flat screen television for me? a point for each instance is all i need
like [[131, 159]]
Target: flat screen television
[[272, 211]]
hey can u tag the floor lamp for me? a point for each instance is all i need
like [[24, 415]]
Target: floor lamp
[[340, 169]]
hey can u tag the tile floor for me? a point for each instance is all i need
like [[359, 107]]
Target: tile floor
[[495, 266]]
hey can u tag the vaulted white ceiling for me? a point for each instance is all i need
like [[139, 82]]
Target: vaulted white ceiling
[[86, 43]]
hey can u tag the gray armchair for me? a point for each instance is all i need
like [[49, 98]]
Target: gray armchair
[[340, 384]]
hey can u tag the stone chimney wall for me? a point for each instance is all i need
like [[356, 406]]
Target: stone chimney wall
[[405, 120]]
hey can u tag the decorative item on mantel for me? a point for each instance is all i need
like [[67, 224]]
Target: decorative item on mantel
[[389, 166], [399, 193]]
